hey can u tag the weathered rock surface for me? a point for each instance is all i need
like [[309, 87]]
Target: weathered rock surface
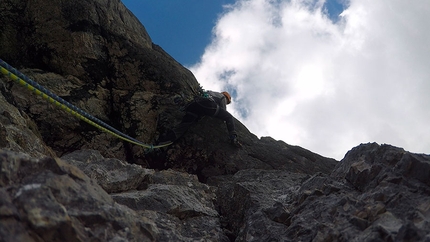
[[48, 200], [96, 55], [370, 196], [253, 203], [112, 175]]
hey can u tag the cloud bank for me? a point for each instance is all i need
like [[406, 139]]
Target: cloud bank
[[298, 76]]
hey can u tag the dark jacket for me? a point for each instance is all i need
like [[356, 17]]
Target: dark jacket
[[219, 98]]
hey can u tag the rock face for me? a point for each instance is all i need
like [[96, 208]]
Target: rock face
[[63, 180], [98, 56], [376, 193]]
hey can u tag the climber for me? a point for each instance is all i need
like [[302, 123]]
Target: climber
[[209, 104]]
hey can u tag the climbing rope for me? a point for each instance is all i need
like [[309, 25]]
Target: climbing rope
[[38, 89]]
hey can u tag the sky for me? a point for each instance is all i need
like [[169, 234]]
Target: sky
[[323, 75]]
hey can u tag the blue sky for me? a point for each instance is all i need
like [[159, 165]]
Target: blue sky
[[323, 75], [182, 28]]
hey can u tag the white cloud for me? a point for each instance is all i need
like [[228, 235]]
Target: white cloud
[[325, 86]]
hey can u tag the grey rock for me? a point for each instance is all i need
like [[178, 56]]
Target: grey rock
[[253, 203], [180, 201], [49, 200], [200, 228], [18, 131], [111, 174], [364, 199]]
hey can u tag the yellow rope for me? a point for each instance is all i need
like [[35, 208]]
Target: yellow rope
[[22, 82]]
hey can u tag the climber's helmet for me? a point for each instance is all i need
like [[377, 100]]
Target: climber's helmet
[[227, 96]]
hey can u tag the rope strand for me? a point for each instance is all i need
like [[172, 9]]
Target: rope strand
[[39, 90]]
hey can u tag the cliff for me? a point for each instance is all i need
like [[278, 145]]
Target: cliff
[[64, 180]]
